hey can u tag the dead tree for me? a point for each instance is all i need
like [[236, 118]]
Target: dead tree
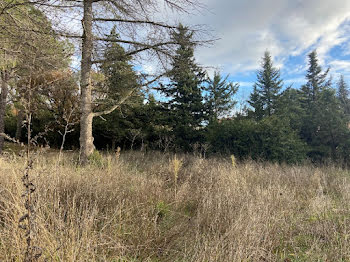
[[139, 31]]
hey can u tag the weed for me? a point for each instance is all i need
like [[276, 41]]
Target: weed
[[175, 166], [266, 213], [96, 159], [233, 161]]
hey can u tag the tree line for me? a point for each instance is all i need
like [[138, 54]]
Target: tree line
[[108, 103]]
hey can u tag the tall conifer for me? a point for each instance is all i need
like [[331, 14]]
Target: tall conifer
[[343, 95], [267, 88], [185, 91], [219, 96]]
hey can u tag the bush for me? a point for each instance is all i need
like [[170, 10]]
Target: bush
[[96, 159], [270, 139]]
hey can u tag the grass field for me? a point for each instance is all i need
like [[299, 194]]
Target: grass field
[[158, 207]]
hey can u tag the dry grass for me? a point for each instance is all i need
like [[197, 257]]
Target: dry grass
[[126, 210]]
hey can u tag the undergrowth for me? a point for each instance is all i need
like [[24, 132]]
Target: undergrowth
[[160, 207]]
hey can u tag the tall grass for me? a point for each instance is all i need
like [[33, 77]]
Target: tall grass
[[124, 209]]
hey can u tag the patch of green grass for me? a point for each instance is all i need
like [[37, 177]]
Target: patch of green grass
[[96, 159], [162, 210]]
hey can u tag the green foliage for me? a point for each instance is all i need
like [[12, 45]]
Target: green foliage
[[114, 129], [219, 96], [185, 105], [162, 209], [323, 121], [343, 95], [278, 142], [96, 159], [266, 92], [257, 104], [119, 80], [118, 72], [290, 108], [232, 137], [30, 47], [270, 139], [316, 81], [10, 122], [332, 130]]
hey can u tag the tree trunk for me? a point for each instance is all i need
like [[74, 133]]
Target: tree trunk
[[20, 118], [63, 141], [3, 97], [113, 145], [86, 139]]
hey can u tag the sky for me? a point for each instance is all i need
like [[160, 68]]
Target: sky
[[289, 29]]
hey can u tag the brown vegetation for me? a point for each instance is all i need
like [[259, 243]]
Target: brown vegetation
[[126, 209]]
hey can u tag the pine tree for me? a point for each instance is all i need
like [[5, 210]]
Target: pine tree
[[117, 81], [118, 71], [290, 108], [219, 96], [185, 92], [332, 131], [343, 95], [310, 95], [267, 88], [324, 125], [256, 103], [316, 80]]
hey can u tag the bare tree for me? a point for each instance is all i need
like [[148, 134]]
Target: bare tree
[[68, 126], [139, 31], [62, 96]]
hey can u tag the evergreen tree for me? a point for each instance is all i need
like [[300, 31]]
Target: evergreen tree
[[290, 108], [316, 80], [185, 103], [256, 103], [118, 72], [332, 131], [323, 124], [343, 95], [267, 88], [310, 95], [118, 79], [219, 96]]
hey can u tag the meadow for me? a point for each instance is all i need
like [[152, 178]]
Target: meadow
[[164, 207]]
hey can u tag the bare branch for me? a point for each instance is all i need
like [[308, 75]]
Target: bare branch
[[7, 137], [135, 22], [125, 98], [114, 107]]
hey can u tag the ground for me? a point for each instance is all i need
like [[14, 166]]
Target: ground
[[160, 207]]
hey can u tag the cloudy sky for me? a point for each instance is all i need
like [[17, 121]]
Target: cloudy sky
[[289, 29]]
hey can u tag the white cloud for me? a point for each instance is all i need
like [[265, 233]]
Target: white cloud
[[246, 84], [292, 81], [285, 27], [149, 69], [340, 66], [247, 28]]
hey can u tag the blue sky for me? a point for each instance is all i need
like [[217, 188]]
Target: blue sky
[[289, 29]]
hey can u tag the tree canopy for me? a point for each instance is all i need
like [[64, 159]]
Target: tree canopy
[[113, 101]]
